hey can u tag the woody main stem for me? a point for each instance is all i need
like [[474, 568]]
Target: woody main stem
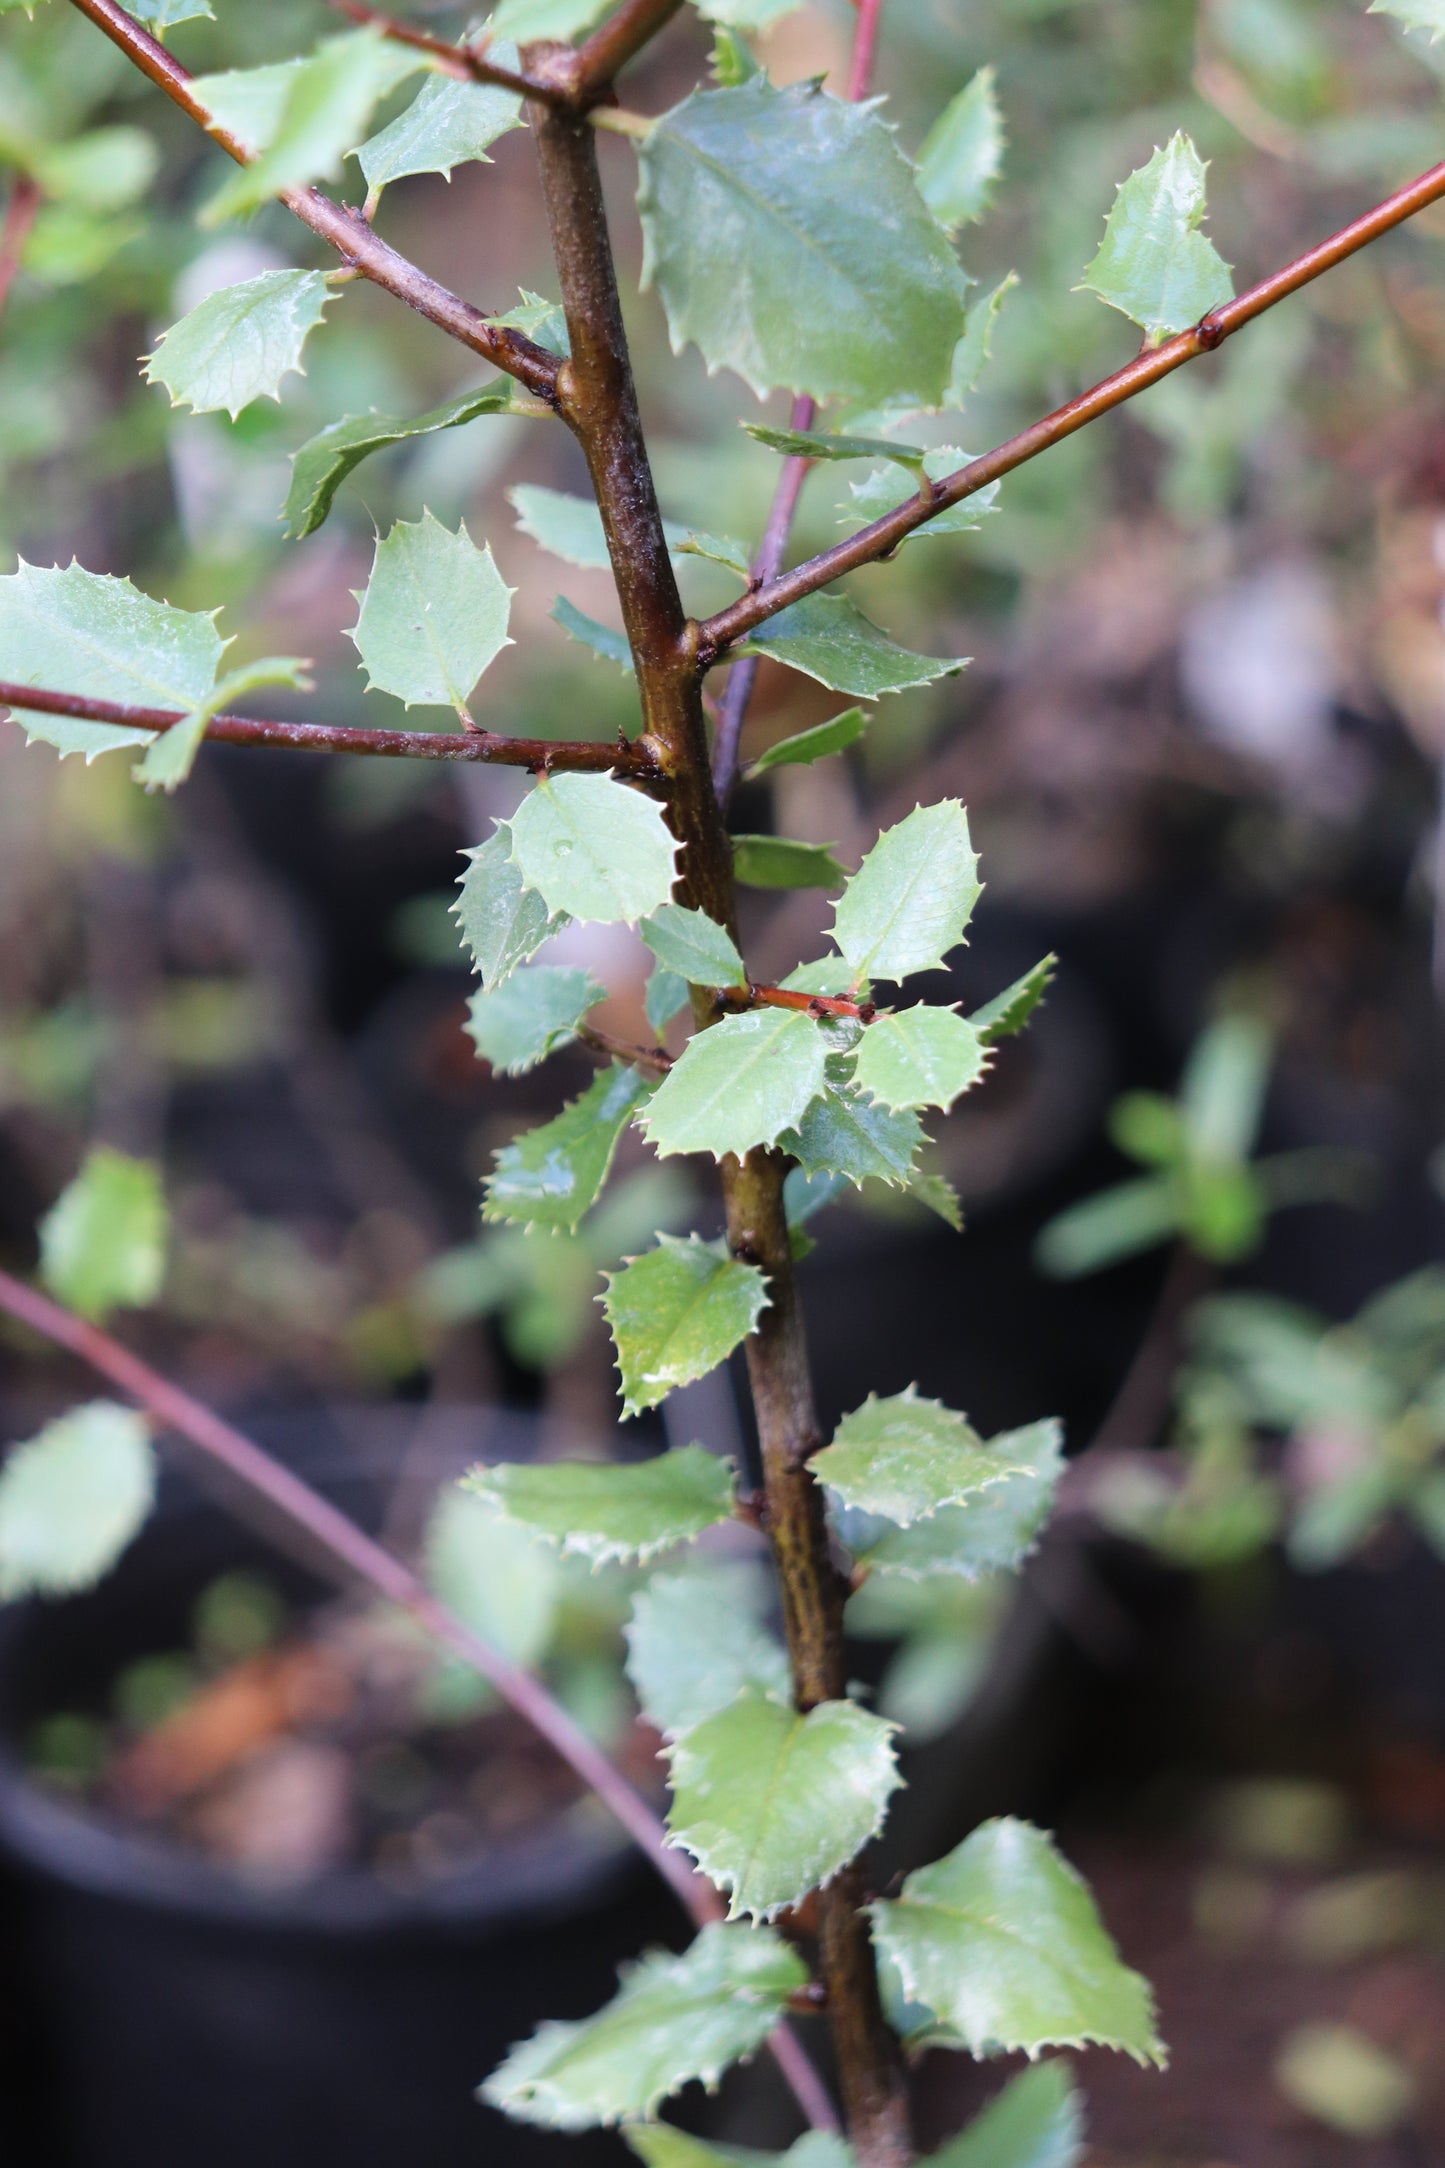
[[597, 398]]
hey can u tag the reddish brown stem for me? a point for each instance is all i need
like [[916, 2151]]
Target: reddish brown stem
[[865, 44], [788, 997], [453, 59], [621, 38], [20, 214], [642, 1057]]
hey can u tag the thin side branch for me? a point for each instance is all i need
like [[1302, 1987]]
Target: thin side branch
[[584, 755], [345, 231], [20, 214], [737, 696], [621, 38], [462, 61], [884, 535]]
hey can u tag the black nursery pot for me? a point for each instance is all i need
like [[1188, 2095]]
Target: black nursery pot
[[161, 2012]]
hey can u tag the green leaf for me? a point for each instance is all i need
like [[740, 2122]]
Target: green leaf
[[171, 754], [694, 946], [1101, 1230], [571, 527], [603, 1510], [731, 61], [975, 349], [552, 1174], [99, 171], [103, 1241], [920, 1057], [1155, 265], [86, 632], [323, 462], [447, 124], [666, 996], [1221, 1094], [604, 640], [660, 2146], [880, 494], [673, 2019], [594, 848], [697, 1641], [991, 1533], [719, 550], [779, 862], [542, 320], [828, 638], [496, 1576], [1002, 1944], [1037, 2121], [824, 975], [502, 921], [818, 444], [843, 1133], [72, 1498], [962, 154], [433, 616], [536, 1010], [524, 20], [160, 15], [772, 1804], [807, 746], [911, 900], [1009, 1011], [1427, 15], [741, 1082], [824, 270], [747, 14], [676, 1312], [237, 344], [904, 1457]]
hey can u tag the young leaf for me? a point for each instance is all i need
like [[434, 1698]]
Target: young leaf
[[447, 124], [904, 1457], [493, 1574], [962, 154], [72, 1498], [911, 900], [552, 1174], [741, 1082], [103, 1241], [880, 493], [594, 848], [843, 1133], [696, 1641], [828, 638], [719, 550], [603, 640], [1009, 1011], [1154, 265], [1002, 1944], [171, 754], [824, 975], [975, 349], [1037, 2121], [694, 946], [433, 616], [779, 862], [1114, 1224], [807, 746], [603, 1510], [818, 444], [672, 2019], [524, 20], [920, 1057], [571, 527], [747, 15], [536, 1010], [159, 15], [676, 1312], [542, 320], [666, 996], [771, 1803], [323, 462], [824, 271], [237, 344], [991, 1533], [1428, 15], [502, 922]]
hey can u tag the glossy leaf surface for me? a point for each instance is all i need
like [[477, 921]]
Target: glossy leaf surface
[[694, 946], [806, 746], [237, 344], [1037, 2121], [962, 154], [904, 1457], [780, 862], [323, 462], [447, 124], [502, 921], [535, 1011], [676, 1312], [593, 848], [553, 1174], [920, 1057], [603, 1510], [1011, 1010], [433, 616], [1154, 264], [696, 1641], [828, 638], [990, 1533], [911, 900], [741, 1082]]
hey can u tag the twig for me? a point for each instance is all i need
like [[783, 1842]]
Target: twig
[[865, 42], [884, 535], [641, 1057], [620, 756], [788, 997], [464, 61], [15, 232], [621, 38], [737, 695]]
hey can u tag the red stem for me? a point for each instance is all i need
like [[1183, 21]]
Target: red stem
[[865, 42], [453, 59], [15, 232]]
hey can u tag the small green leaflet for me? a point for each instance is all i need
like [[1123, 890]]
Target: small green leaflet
[[676, 1312], [493, 1573], [551, 1175], [841, 1133], [72, 1498], [594, 848], [571, 527], [171, 754], [660, 2146], [603, 1510], [824, 975], [1037, 2121], [1428, 15], [672, 2019], [1002, 1946], [772, 1804], [1154, 264], [323, 462], [433, 616], [447, 124], [524, 20], [719, 550], [905, 1457], [103, 1241], [237, 344], [697, 1641], [880, 494], [741, 1082], [603, 640], [666, 996], [693, 946], [747, 14], [990, 1533], [811, 444], [824, 272], [810, 745], [828, 638], [86, 632], [911, 900], [542, 320], [1113, 1224], [962, 154], [161, 14], [779, 862], [974, 350], [502, 922], [102, 170], [1011, 1010], [920, 1057], [531, 1014]]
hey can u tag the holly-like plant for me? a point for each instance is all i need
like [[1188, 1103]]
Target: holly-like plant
[[792, 240]]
